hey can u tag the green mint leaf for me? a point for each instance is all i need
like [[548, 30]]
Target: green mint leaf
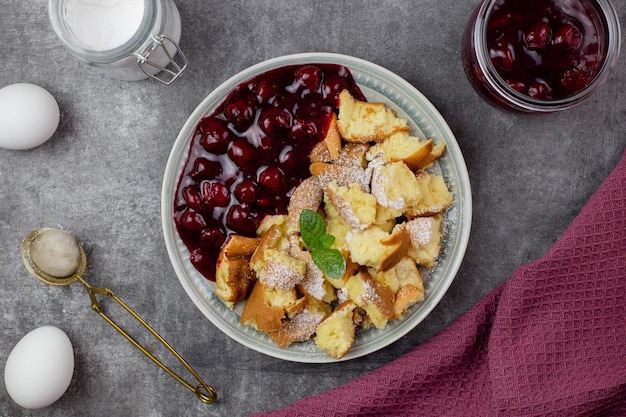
[[326, 241], [313, 233], [329, 261], [312, 228]]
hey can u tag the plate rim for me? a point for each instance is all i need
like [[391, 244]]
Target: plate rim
[[217, 95]]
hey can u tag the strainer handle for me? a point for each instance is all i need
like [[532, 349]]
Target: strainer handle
[[204, 392]]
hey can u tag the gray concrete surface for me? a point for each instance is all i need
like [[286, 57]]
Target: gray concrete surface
[[100, 176]]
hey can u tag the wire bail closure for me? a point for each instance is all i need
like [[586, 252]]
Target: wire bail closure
[[170, 71]]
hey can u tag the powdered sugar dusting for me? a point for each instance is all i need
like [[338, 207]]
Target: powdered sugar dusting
[[344, 209], [378, 187], [278, 275], [308, 195], [352, 154], [345, 175], [302, 326], [420, 230], [313, 282], [342, 295], [370, 295]]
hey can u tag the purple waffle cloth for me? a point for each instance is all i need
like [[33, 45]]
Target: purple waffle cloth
[[549, 341]]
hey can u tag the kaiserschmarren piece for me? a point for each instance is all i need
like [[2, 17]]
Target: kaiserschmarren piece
[[336, 333], [395, 186], [373, 297], [308, 195], [371, 184], [356, 207], [362, 122], [378, 249], [234, 277], [435, 195], [403, 147]]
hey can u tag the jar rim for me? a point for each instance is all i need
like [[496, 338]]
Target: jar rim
[[606, 12], [134, 43]]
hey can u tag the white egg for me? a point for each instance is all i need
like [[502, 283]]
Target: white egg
[[39, 369], [29, 116]]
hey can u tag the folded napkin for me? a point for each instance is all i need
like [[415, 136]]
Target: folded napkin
[[549, 341]]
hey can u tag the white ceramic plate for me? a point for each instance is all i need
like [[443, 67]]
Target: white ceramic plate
[[378, 84]]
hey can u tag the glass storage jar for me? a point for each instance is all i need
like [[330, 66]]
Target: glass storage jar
[[540, 56], [125, 39]]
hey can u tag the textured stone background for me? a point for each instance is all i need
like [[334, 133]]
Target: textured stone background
[[100, 176]]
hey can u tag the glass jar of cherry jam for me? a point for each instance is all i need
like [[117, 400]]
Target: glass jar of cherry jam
[[540, 55]]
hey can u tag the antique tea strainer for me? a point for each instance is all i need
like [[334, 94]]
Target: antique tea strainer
[[55, 257]]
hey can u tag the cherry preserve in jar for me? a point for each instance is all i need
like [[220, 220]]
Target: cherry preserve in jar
[[542, 55]]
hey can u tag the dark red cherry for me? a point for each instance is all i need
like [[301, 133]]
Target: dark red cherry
[[333, 85], [267, 91], [310, 77], [574, 80], [240, 114], [215, 194], [266, 143], [193, 198], [540, 90], [303, 129], [272, 178], [502, 55], [241, 152], [202, 260], [205, 169], [276, 121], [288, 157], [246, 191], [538, 35], [220, 194], [567, 36], [215, 136], [192, 220], [212, 237], [241, 221]]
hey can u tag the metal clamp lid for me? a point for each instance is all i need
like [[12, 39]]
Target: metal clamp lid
[[169, 71]]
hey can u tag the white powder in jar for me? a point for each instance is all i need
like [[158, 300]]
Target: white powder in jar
[[103, 25]]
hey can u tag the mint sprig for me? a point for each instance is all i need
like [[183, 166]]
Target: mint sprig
[[313, 233]]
